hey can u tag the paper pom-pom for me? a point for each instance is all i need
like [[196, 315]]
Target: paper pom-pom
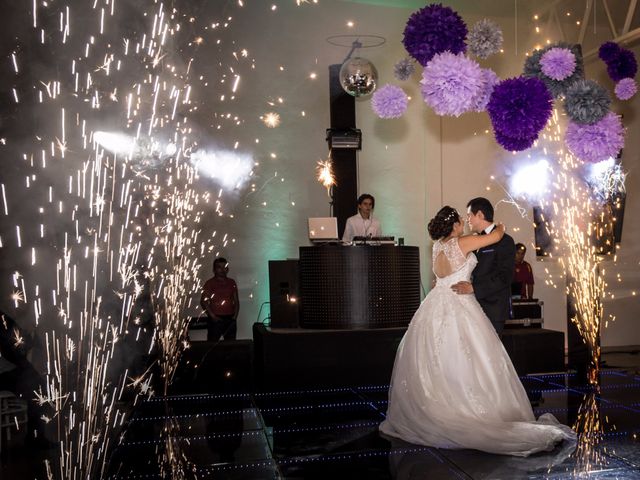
[[622, 66], [533, 68], [597, 142], [608, 51], [434, 29], [558, 63], [404, 69], [451, 83], [520, 107], [586, 102], [626, 88], [485, 39], [489, 80], [514, 144], [389, 101]]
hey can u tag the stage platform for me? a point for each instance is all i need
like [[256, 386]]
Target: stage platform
[[333, 433], [300, 358]]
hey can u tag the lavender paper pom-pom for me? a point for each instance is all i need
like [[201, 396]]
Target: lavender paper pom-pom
[[514, 144], [626, 88], [558, 63], [586, 102], [533, 68], [451, 83], [389, 101], [608, 51], [485, 39], [597, 142], [434, 29], [520, 107], [489, 80], [404, 69], [622, 66]]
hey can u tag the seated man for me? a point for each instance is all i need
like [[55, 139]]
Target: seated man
[[220, 301], [523, 274], [362, 224]]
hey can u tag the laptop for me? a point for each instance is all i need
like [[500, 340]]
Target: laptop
[[323, 229]]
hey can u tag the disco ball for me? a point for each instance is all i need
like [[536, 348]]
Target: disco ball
[[358, 77]]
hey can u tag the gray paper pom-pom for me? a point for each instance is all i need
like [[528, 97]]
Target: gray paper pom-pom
[[484, 39], [586, 102], [533, 68], [404, 69]]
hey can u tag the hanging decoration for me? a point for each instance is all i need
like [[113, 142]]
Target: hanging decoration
[[597, 142], [404, 69], [533, 68], [485, 39], [519, 109], [451, 83], [558, 63], [586, 102], [389, 101], [489, 81], [434, 29], [621, 63], [358, 77], [626, 88]]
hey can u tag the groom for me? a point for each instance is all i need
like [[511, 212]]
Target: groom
[[491, 279]]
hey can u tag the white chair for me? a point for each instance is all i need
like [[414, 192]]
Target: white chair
[[13, 412]]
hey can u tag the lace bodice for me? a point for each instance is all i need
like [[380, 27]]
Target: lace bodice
[[461, 266]]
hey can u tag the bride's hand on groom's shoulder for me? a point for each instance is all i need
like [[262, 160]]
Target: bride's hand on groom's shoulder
[[500, 227]]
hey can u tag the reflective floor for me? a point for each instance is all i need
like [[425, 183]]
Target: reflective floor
[[332, 433]]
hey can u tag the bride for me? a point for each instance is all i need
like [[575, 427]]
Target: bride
[[453, 384]]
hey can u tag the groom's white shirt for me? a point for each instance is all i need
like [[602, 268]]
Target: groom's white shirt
[[490, 228]]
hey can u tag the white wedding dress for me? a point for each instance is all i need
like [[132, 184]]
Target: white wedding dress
[[453, 384]]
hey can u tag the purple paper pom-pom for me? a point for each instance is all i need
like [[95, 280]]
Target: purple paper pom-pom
[[514, 144], [451, 83], [434, 29], [597, 142], [608, 51], [558, 63], [622, 66], [520, 107], [389, 101], [626, 88], [489, 80]]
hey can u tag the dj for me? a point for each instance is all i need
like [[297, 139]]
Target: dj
[[363, 224]]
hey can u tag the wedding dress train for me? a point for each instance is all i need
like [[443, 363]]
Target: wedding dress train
[[453, 384]]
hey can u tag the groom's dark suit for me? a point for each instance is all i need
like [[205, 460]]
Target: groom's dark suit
[[492, 280]]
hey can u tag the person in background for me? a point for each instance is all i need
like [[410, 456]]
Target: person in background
[[523, 274], [362, 224], [220, 301]]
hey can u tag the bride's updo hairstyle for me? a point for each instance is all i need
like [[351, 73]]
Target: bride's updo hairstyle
[[441, 225]]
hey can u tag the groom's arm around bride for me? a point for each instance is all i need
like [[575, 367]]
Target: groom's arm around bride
[[491, 280]]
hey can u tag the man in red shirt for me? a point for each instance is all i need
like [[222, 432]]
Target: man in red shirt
[[523, 275], [220, 301]]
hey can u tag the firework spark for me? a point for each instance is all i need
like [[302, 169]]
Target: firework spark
[[325, 174], [271, 119]]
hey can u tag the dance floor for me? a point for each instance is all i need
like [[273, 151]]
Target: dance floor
[[332, 433]]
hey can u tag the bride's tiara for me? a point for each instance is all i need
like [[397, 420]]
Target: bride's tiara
[[452, 215]]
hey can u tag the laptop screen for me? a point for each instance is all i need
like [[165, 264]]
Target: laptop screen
[[323, 229]]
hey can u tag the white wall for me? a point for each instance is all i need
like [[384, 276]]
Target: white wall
[[411, 165]]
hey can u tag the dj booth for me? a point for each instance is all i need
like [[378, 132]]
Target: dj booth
[[367, 286]]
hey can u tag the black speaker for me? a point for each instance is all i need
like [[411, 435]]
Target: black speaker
[[284, 293], [535, 350]]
